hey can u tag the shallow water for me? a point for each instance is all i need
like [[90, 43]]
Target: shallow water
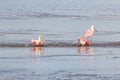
[[59, 63], [63, 34], [60, 24], [59, 58]]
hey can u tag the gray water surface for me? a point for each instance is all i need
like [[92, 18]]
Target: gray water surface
[[59, 23]]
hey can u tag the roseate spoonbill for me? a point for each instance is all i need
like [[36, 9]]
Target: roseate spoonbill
[[83, 41], [90, 32], [38, 42]]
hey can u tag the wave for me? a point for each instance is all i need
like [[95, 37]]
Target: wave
[[61, 44], [40, 15]]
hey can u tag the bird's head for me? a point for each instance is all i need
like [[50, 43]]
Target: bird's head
[[40, 35], [93, 28]]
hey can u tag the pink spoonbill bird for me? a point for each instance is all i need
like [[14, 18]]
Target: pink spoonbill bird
[[83, 41], [90, 32], [38, 42]]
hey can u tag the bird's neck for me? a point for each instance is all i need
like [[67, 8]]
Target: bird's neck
[[92, 28], [39, 38]]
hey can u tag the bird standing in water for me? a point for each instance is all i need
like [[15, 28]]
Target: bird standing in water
[[38, 42], [83, 41], [90, 32]]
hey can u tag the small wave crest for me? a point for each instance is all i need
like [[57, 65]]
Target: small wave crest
[[61, 44]]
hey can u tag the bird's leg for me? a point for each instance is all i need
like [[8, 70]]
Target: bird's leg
[[91, 40]]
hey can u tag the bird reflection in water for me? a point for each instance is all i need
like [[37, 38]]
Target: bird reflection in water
[[37, 51], [86, 57], [83, 50]]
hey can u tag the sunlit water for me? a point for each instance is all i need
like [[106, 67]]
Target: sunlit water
[[60, 24]]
